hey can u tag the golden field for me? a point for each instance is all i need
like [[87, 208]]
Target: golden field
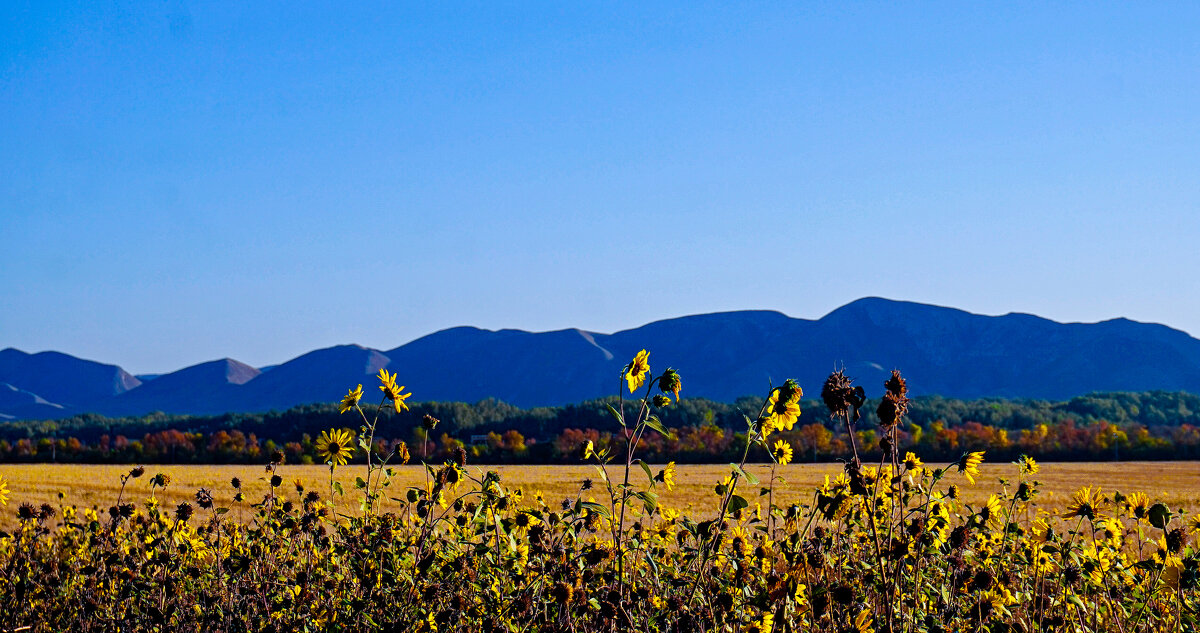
[[1175, 483]]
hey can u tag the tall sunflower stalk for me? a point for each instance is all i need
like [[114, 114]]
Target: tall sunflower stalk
[[376, 465], [634, 376]]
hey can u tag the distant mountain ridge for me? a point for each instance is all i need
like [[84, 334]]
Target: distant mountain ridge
[[721, 356]]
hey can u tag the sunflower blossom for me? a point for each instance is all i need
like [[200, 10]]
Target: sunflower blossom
[[636, 370], [783, 407], [1084, 503], [667, 476], [350, 400], [393, 393], [782, 451], [969, 463], [335, 446]]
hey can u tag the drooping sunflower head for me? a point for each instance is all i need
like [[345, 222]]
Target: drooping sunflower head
[[350, 400], [335, 446], [636, 370], [669, 382]]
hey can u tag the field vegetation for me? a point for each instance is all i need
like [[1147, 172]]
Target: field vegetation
[[95, 486], [880, 541]]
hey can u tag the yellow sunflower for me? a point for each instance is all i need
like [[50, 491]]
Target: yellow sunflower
[[782, 451], [969, 463], [350, 400], [1138, 505], [335, 446], [3, 492], [393, 393], [989, 513], [1084, 503], [782, 412], [667, 476], [636, 370], [863, 622]]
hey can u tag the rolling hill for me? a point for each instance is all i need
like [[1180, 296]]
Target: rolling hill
[[721, 356]]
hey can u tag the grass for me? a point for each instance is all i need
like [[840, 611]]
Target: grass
[[1174, 483]]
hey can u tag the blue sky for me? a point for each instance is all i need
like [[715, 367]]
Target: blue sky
[[184, 182]]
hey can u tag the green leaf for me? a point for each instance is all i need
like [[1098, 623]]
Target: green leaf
[[650, 500], [750, 479], [597, 508], [1159, 516], [736, 502], [337, 487], [620, 418], [359, 483], [656, 424], [646, 469], [221, 510]]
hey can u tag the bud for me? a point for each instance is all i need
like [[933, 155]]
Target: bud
[[587, 450], [661, 400]]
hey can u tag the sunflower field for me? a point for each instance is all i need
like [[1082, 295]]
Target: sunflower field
[[889, 545]]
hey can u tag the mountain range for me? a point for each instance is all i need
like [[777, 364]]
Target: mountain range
[[720, 356]]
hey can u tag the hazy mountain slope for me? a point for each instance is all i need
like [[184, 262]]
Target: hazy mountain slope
[[63, 379], [20, 404], [323, 375], [516, 366], [212, 387], [721, 356]]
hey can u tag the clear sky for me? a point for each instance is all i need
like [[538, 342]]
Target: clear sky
[[182, 182]]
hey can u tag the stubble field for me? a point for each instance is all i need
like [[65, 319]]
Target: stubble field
[[1175, 483]]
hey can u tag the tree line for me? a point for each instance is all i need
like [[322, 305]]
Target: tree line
[[1153, 425]]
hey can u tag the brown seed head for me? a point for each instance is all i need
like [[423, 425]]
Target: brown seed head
[[183, 511], [841, 396]]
